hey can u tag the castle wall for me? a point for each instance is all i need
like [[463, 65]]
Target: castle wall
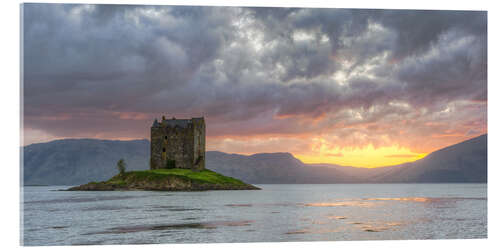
[[178, 147], [156, 148], [199, 143], [179, 144]]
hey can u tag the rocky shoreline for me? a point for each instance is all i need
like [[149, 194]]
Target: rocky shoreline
[[166, 181]]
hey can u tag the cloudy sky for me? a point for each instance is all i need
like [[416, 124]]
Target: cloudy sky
[[352, 87]]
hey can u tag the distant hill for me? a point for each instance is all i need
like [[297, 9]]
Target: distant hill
[[463, 162], [78, 161], [273, 168]]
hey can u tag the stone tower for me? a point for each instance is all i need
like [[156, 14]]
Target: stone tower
[[178, 143]]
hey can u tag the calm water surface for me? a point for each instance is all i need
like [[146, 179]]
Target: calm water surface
[[274, 214]]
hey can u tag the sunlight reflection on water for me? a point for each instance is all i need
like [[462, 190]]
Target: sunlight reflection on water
[[275, 213]]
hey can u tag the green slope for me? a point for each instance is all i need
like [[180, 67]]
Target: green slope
[[167, 180]]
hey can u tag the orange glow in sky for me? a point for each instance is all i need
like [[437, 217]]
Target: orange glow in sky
[[315, 150], [367, 156]]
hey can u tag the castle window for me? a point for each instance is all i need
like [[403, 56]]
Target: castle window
[[163, 150]]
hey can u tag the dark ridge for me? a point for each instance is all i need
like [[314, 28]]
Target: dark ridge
[[78, 161]]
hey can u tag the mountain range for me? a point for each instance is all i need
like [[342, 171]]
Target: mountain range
[[78, 161]]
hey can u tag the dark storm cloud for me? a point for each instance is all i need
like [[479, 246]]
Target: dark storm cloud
[[419, 30], [250, 71]]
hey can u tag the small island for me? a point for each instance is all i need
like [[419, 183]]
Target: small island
[[167, 180], [177, 163]]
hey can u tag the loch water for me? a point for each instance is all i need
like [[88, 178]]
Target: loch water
[[277, 213]]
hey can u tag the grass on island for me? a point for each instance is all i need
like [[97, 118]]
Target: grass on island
[[203, 176]]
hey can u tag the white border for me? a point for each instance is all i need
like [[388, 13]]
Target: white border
[[10, 103]]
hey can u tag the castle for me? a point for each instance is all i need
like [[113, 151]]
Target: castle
[[178, 143]]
